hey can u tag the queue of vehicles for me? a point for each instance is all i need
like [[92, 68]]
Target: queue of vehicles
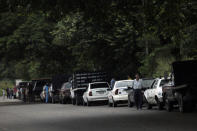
[[86, 88]]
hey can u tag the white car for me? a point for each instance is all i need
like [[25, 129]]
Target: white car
[[97, 91], [119, 94], [154, 95]]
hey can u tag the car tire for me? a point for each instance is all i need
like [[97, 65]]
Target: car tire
[[181, 104], [159, 104], [169, 106], [130, 104], [114, 104], [149, 106], [73, 101], [84, 104], [88, 103], [109, 104]]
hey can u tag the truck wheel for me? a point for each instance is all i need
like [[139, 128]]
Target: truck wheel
[[73, 101], [77, 101], [169, 106], [181, 104]]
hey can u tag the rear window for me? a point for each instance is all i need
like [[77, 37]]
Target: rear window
[[99, 85], [147, 83], [124, 84], [163, 82]]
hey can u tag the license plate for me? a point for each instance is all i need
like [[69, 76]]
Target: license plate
[[100, 92]]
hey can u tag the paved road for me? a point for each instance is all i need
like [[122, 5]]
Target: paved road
[[57, 117]]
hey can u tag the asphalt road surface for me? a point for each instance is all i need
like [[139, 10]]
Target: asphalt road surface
[[57, 117]]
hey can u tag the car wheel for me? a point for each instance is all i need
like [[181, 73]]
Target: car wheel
[[114, 103], [169, 106], [159, 104], [84, 104], [109, 104], [88, 103], [149, 106], [130, 104]]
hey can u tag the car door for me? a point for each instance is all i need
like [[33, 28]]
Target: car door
[[149, 93]]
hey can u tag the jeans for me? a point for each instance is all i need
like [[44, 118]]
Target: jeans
[[138, 98]]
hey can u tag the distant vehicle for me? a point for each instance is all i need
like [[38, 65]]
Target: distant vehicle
[[182, 90], [97, 91], [38, 85], [25, 91], [56, 85], [146, 84], [65, 95], [119, 94], [154, 95], [80, 82]]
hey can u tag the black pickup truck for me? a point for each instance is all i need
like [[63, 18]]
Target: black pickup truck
[[80, 81], [182, 90], [38, 85]]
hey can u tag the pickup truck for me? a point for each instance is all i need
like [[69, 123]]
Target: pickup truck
[[182, 90], [80, 81], [38, 85]]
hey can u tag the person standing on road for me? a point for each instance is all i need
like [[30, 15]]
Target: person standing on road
[[47, 92], [3, 94], [137, 86], [8, 93], [112, 83]]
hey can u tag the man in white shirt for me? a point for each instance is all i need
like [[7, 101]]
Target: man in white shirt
[[137, 86]]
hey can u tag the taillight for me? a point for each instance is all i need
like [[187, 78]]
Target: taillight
[[116, 92], [90, 93]]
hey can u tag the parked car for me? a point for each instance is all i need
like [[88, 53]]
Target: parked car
[[154, 95], [146, 84], [95, 92], [80, 82], [54, 90], [65, 93], [119, 94], [183, 88], [38, 85]]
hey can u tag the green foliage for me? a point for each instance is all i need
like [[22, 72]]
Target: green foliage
[[5, 84], [43, 38]]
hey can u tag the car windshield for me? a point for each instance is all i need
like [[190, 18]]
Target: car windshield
[[124, 84], [99, 85], [163, 82], [147, 83]]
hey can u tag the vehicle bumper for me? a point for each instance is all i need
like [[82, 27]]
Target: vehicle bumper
[[99, 98], [118, 98]]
